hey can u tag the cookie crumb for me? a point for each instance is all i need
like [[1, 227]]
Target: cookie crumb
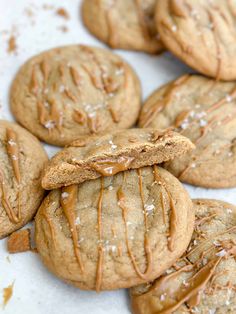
[[63, 13], [63, 29], [7, 294], [12, 46], [19, 241]]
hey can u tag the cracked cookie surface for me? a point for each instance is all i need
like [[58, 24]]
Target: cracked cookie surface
[[74, 91]]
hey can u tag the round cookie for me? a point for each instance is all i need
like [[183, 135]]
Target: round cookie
[[125, 24], [203, 281], [204, 111], [20, 175], [73, 91], [112, 153], [115, 232], [201, 33]]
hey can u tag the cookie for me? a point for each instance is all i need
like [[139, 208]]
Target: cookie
[[73, 91], [115, 232], [204, 279], [112, 153], [20, 175], [204, 111], [125, 24], [202, 34]]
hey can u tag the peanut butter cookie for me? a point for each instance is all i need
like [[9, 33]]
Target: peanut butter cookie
[[115, 232], [204, 280], [74, 91], [112, 153], [125, 24], [204, 111], [201, 33], [20, 175]]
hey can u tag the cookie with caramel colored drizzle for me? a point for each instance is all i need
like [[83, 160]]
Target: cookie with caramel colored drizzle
[[112, 153], [20, 174], [204, 279], [125, 24], [74, 91], [115, 232], [201, 33], [204, 111]]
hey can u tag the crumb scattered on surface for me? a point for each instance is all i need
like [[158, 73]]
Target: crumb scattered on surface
[[12, 46], [7, 294], [19, 241], [63, 13], [63, 28]]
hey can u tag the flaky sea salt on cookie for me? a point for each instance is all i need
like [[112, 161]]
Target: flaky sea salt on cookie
[[20, 175], [74, 91], [115, 232], [112, 153], [201, 33], [125, 24], [204, 111], [203, 281]]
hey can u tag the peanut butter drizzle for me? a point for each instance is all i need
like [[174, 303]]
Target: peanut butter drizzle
[[177, 8], [13, 152], [142, 22], [112, 35], [13, 217], [70, 95], [7, 294], [75, 76], [92, 123], [173, 216], [42, 112], [100, 262], [111, 166], [79, 116], [45, 70], [34, 86], [114, 114], [68, 205], [147, 249], [179, 294], [46, 218], [158, 106], [218, 50]]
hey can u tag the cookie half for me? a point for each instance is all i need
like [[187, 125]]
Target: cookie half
[[125, 24], [68, 92], [204, 111], [204, 279], [115, 232], [201, 33], [20, 176], [112, 153]]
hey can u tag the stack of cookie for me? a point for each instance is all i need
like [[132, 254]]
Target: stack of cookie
[[117, 215]]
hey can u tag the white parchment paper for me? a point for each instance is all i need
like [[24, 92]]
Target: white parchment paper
[[37, 28]]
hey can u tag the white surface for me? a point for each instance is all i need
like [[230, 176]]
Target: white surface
[[36, 291]]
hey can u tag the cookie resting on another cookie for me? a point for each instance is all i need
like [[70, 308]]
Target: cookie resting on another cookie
[[125, 24], [204, 111], [112, 153], [21, 163], [201, 33], [74, 91], [204, 280], [115, 232]]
